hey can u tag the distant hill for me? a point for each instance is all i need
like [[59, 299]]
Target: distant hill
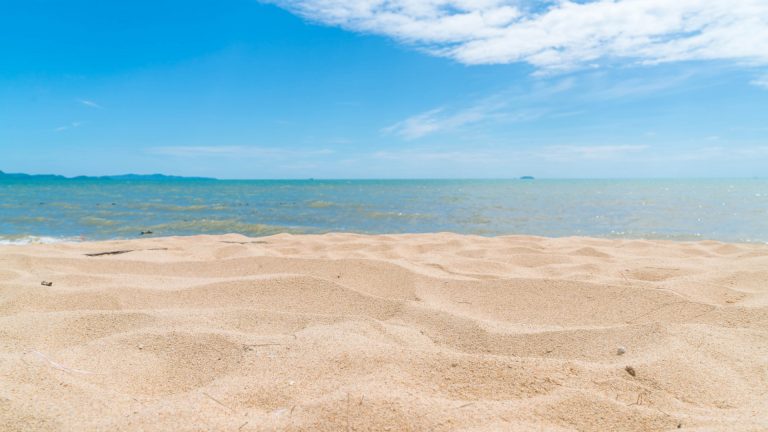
[[122, 177]]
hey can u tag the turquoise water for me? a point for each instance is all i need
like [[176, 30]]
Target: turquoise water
[[728, 210]]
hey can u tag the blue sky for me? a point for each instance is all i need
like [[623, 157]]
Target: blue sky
[[385, 88]]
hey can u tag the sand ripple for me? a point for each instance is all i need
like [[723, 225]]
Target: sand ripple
[[406, 332]]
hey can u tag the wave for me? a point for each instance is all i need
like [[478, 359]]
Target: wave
[[31, 239]]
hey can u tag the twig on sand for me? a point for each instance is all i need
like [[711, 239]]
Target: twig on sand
[[625, 278], [118, 252], [642, 398], [218, 402], [348, 412], [59, 366], [242, 425], [251, 347]]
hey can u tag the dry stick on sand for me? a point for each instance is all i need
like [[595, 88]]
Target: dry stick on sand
[[59, 366], [218, 402], [348, 412], [252, 347], [118, 252]]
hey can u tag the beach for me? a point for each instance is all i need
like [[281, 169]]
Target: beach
[[350, 332]]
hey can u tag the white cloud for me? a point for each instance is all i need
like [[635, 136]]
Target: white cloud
[[455, 156], [421, 124], [761, 82], [90, 104], [558, 34], [713, 153], [235, 151], [569, 152], [516, 105], [72, 125], [440, 120], [566, 154], [560, 153]]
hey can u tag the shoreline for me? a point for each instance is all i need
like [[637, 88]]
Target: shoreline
[[23, 240], [344, 331]]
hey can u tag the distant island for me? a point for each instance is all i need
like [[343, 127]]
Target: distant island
[[121, 177], [526, 178]]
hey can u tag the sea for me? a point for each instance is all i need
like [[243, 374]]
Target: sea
[[51, 210]]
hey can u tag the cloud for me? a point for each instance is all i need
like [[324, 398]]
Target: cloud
[[720, 154], [495, 108], [235, 151], [558, 34], [90, 104], [438, 120], [72, 125], [761, 82], [526, 104], [491, 155], [454, 156], [568, 152]]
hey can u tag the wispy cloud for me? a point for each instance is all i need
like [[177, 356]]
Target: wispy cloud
[[558, 34], [517, 105], [568, 155], [459, 156], [570, 152], [502, 107], [719, 153], [72, 125], [761, 82], [500, 154], [90, 104], [436, 120], [235, 151]]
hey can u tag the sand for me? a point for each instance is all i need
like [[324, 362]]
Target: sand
[[345, 332]]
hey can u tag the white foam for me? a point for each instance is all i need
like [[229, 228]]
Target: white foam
[[23, 240]]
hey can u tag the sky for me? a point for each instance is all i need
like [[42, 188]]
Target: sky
[[385, 88]]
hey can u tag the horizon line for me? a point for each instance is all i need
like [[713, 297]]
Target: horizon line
[[521, 177]]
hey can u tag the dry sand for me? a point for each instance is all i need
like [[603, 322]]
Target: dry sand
[[346, 332]]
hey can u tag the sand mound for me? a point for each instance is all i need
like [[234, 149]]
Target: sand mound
[[407, 332]]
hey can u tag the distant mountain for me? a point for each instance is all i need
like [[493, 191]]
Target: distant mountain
[[122, 177]]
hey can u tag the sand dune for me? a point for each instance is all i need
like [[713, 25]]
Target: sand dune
[[345, 332]]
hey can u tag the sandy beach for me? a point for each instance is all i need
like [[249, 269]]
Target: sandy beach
[[345, 332]]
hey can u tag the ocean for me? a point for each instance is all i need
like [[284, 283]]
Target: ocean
[[95, 209]]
